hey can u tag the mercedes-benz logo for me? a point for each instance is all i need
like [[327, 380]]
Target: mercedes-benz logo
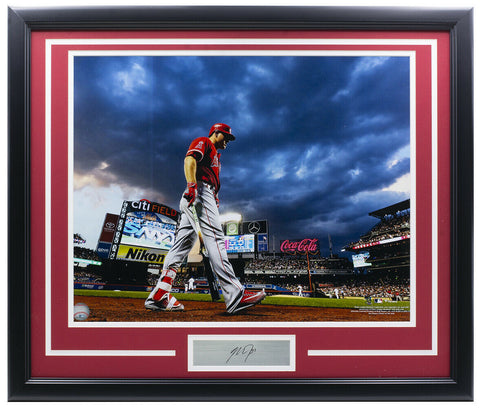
[[254, 227]]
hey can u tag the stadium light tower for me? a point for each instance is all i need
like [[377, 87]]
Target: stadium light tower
[[230, 217]]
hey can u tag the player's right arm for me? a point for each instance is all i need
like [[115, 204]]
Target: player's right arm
[[195, 154], [190, 169]]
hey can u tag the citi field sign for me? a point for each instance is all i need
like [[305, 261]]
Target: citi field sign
[[150, 206], [303, 246]]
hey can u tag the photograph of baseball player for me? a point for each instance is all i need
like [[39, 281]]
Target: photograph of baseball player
[[202, 168], [315, 179]]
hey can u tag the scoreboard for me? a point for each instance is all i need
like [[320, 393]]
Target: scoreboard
[[237, 244], [360, 260]]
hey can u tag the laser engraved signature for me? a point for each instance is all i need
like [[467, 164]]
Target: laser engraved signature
[[242, 352]]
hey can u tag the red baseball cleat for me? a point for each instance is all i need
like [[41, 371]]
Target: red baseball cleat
[[167, 302], [248, 299]]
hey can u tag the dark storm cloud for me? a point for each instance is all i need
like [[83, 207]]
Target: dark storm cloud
[[317, 137]]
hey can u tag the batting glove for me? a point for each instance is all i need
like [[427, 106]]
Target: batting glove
[[217, 201], [191, 194]]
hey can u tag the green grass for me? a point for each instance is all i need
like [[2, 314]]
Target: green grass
[[139, 295], [351, 303]]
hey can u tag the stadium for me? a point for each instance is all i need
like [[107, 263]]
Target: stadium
[[369, 280]]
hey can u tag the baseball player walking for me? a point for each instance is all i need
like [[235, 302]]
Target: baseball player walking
[[202, 168]]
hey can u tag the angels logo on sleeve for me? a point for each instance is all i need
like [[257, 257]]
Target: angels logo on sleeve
[[197, 148]]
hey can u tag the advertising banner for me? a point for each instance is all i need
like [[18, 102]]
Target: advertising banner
[[231, 228], [103, 249], [262, 244], [303, 246], [106, 235], [108, 229], [139, 254], [255, 227]]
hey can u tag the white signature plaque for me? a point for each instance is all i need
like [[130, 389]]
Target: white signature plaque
[[241, 353]]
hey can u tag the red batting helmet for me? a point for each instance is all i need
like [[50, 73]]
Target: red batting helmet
[[222, 127]]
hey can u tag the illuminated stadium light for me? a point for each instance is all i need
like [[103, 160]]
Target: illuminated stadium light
[[230, 217], [384, 241]]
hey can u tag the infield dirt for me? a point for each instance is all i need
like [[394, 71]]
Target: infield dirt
[[105, 309]]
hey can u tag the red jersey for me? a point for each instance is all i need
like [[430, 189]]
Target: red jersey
[[208, 161]]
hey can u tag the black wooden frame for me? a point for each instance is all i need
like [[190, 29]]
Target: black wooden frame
[[458, 22]]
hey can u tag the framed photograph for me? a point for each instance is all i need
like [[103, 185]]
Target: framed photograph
[[251, 203]]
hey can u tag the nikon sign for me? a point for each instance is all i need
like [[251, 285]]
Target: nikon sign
[[129, 253]]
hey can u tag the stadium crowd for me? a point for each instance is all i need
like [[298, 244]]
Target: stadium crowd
[[276, 264], [296, 265], [387, 285], [389, 227], [400, 291], [83, 276], [77, 239], [85, 253], [286, 273]]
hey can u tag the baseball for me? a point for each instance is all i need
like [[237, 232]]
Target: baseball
[[81, 312]]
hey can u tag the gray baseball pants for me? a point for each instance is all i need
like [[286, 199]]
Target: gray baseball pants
[[186, 236]]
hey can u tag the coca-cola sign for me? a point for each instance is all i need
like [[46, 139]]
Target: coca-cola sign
[[307, 245]]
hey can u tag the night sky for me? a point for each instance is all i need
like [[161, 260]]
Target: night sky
[[321, 141]]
